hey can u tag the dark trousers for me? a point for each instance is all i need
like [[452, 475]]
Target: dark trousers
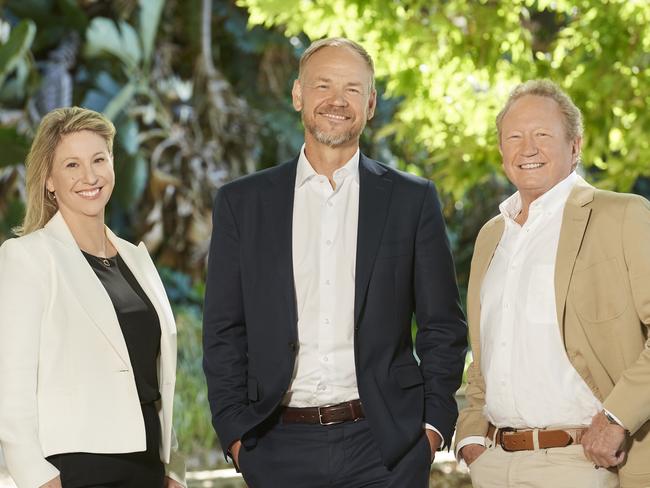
[[129, 470], [335, 456]]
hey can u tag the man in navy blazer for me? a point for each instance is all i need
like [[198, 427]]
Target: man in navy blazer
[[316, 269]]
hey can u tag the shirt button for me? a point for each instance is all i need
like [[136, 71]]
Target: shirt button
[[503, 344], [328, 242], [328, 282], [327, 321], [506, 306], [325, 358], [330, 204], [503, 383], [322, 387]]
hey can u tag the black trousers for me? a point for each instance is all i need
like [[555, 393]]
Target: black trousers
[[336, 456], [128, 470]]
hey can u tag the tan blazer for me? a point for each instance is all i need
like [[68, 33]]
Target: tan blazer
[[602, 292], [66, 381]]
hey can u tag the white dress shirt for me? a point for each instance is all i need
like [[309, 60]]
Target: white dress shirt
[[324, 259], [529, 380]]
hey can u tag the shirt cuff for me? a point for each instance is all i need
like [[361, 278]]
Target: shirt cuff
[[614, 418], [431, 427], [473, 439]]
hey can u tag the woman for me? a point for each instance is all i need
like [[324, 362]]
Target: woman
[[87, 335]]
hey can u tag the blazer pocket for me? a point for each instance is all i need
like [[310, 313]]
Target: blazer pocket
[[599, 291], [252, 389], [408, 376]]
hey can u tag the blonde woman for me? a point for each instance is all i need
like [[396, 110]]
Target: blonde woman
[[87, 335]]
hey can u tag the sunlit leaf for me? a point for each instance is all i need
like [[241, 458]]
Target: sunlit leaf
[[12, 51], [119, 39]]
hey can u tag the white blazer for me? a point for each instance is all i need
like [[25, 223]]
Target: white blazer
[[66, 380]]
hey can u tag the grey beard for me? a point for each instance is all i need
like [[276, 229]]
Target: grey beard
[[331, 140]]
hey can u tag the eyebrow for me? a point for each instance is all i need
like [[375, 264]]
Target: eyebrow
[[74, 158], [329, 80]]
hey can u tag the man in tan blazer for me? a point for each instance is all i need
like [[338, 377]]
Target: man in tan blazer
[[558, 308]]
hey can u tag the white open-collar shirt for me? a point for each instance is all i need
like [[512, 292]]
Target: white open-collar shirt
[[324, 243], [529, 379]]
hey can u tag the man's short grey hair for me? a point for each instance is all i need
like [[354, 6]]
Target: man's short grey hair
[[546, 88], [316, 46]]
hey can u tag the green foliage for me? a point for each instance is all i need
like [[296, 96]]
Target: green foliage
[[14, 147], [453, 63], [192, 421], [148, 20], [105, 37], [13, 51]]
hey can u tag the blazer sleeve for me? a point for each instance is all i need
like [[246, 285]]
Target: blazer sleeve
[[225, 347], [471, 421], [630, 398], [441, 340], [23, 301]]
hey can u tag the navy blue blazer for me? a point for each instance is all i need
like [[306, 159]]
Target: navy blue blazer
[[403, 267]]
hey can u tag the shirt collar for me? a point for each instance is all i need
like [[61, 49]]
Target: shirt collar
[[550, 201], [305, 171]]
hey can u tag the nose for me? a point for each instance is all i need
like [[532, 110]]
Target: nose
[[338, 98], [530, 146], [89, 175]]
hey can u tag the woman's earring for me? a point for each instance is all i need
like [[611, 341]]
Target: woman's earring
[[52, 196]]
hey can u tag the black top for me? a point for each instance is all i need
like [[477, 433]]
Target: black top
[[138, 320]]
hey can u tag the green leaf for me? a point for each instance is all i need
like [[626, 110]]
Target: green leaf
[[73, 14], [148, 21], [121, 100], [14, 147], [115, 39], [131, 175], [19, 42], [127, 137]]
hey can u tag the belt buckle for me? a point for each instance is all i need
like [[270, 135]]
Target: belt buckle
[[320, 416], [499, 437]]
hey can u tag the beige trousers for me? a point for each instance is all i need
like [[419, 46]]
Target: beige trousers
[[560, 467]]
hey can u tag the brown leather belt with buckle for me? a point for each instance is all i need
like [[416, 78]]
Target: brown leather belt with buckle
[[524, 439], [326, 415]]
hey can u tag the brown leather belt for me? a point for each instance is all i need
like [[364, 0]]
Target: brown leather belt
[[327, 415], [524, 439]]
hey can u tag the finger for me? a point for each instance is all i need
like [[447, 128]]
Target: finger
[[606, 461]]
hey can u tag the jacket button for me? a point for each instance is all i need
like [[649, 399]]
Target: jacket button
[[292, 346]]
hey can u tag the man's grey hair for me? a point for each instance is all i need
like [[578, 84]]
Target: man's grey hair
[[548, 89], [338, 42]]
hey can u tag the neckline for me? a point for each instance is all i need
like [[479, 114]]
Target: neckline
[[107, 262]]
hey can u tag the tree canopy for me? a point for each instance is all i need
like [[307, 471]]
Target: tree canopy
[[452, 64]]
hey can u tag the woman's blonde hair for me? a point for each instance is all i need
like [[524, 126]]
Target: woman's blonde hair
[[41, 204]]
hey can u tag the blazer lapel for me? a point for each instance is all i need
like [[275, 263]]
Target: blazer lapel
[[277, 211], [375, 189], [574, 225], [483, 253], [139, 263], [84, 285], [491, 237]]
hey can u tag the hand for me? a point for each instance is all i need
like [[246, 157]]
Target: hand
[[53, 483], [234, 452], [434, 442], [170, 483], [471, 452], [603, 441]]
